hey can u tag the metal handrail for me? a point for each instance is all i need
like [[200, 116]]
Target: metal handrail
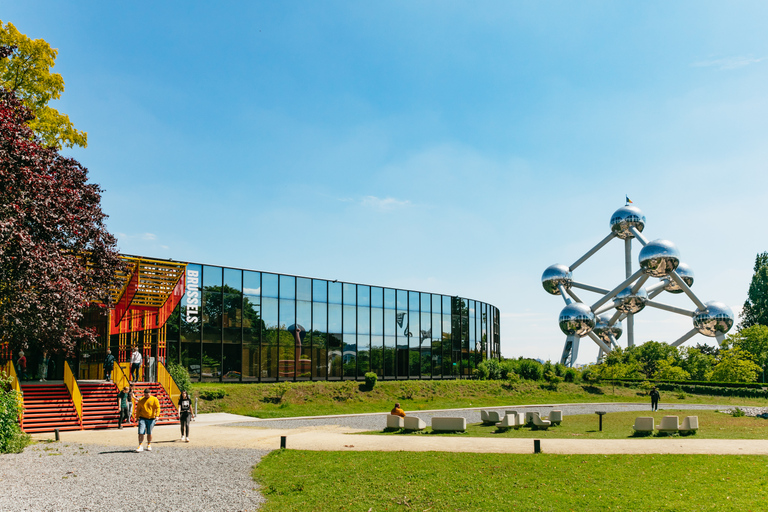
[[10, 371], [166, 380], [74, 391]]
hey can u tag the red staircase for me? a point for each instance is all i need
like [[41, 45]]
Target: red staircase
[[48, 407], [99, 404], [169, 414]]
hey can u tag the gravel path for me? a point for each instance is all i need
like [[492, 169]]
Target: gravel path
[[375, 421], [70, 476]]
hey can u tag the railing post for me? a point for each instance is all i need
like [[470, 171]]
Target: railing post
[[74, 391]]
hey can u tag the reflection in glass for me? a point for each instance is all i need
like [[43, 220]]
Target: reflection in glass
[[287, 287], [252, 283], [363, 295], [211, 367], [349, 293], [211, 276], [350, 355], [389, 298], [377, 355], [363, 354], [211, 316], [269, 285], [350, 319], [377, 297], [389, 357], [319, 290], [334, 293], [233, 279]]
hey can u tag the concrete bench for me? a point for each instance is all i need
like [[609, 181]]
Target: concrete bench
[[540, 424], [509, 421], [394, 421], [643, 425], [448, 423], [489, 417], [414, 423], [690, 424], [529, 417], [669, 424], [556, 417]]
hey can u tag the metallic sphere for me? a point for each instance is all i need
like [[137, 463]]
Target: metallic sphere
[[685, 272], [628, 302], [659, 257], [576, 319], [555, 275], [604, 331], [716, 319], [625, 218]]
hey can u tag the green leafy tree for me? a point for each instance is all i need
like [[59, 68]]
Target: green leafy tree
[[735, 365], [667, 370], [651, 353], [696, 363], [754, 341], [755, 311], [12, 439], [28, 74]]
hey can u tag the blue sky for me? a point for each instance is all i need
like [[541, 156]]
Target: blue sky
[[450, 147]]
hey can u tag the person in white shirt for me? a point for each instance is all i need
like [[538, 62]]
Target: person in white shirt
[[135, 364]]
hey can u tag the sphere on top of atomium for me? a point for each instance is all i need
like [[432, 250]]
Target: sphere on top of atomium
[[716, 319], [686, 274], [576, 319], [627, 217], [604, 331], [659, 257], [628, 302], [556, 275]]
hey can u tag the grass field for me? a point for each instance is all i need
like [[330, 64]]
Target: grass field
[[713, 425], [376, 481], [279, 400]]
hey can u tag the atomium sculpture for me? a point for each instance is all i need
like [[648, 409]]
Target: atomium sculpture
[[601, 321]]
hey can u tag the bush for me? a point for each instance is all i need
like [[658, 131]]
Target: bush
[[490, 369], [588, 374], [370, 380], [212, 394], [180, 376], [531, 370], [737, 413], [554, 380], [508, 367], [570, 375], [12, 439]]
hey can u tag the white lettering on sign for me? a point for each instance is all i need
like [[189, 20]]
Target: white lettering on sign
[[193, 296]]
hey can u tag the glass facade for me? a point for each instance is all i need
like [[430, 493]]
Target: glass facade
[[237, 325]]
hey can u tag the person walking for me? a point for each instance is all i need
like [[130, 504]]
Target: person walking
[[148, 410], [655, 399], [135, 364], [109, 365], [123, 397], [131, 399], [42, 368], [185, 415]]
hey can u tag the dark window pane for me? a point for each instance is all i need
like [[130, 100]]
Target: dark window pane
[[350, 355], [190, 359], [231, 363], [211, 361]]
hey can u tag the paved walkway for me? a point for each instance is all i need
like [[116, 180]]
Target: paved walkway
[[330, 433]]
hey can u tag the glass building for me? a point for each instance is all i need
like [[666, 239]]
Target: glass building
[[242, 325]]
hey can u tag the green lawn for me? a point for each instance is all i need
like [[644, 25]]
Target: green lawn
[[713, 425], [376, 481], [280, 400]]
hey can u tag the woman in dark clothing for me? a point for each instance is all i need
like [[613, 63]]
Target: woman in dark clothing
[[185, 415], [655, 399]]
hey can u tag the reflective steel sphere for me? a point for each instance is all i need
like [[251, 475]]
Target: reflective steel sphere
[[603, 331], [717, 318], [626, 217], [659, 257], [555, 275], [627, 302], [686, 273], [576, 318]]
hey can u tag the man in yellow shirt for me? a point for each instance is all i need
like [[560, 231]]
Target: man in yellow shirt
[[397, 411], [147, 410]]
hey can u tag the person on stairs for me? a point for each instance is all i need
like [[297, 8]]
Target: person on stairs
[[123, 398], [135, 364], [109, 365], [148, 410]]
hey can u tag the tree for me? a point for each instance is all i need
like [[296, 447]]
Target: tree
[[56, 256], [754, 341], [666, 370], [650, 353], [755, 311], [28, 74], [696, 363], [735, 365]]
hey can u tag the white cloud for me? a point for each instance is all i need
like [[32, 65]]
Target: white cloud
[[727, 62], [383, 204], [149, 236]]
